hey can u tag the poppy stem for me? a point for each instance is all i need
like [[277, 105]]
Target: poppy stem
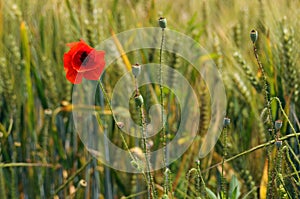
[[223, 179], [121, 133], [145, 144], [268, 106], [133, 159], [266, 88], [163, 130]]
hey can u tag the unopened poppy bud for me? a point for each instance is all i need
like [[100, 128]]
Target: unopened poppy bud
[[120, 125], [278, 125], [278, 144], [139, 100], [48, 112], [162, 22], [226, 121], [253, 35], [165, 196], [136, 70]]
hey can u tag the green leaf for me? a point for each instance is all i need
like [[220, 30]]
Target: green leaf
[[249, 193], [210, 194], [234, 188], [26, 56], [39, 87], [234, 193]]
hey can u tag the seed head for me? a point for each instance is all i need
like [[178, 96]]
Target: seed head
[[253, 35], [278, 125], [226, 121], [136, 70], [139, 100], [162, 22]]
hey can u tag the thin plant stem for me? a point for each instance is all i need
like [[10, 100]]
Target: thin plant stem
[[292, 152], [135, 195], [107, 173], [121, 133], [24, 164], [292, 174], [251, 150], [192, 170], [268, 106], [202, 182], [72, 177], [110, 107], [266, 92], [288, 150], [224, 133], [168, 172], [150, 184], [151, 187], [286, 117], [2, 179], [163, 130]]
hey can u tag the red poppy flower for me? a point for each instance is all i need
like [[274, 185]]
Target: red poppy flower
[[83, 61]]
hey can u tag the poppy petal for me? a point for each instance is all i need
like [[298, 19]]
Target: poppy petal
[[93, 74], [73, 76], [83, 61], [71, 45], [83, 64], [67, 61], [99, 58]]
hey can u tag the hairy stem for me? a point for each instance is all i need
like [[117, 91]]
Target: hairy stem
[[72, 177], [266, 92], [110, 107], [163, 130], [286, 117], [268, 106], [150, 181]]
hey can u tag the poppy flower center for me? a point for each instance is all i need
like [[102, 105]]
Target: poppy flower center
[[83, 57]]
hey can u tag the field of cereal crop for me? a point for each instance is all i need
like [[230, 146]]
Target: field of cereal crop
[[149, 99]]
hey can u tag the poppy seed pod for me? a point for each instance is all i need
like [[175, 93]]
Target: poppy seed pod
[[278, 125], [278, 144], [253, 35], [136, 70], [139, 100], [226, 121], [162, 22]]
